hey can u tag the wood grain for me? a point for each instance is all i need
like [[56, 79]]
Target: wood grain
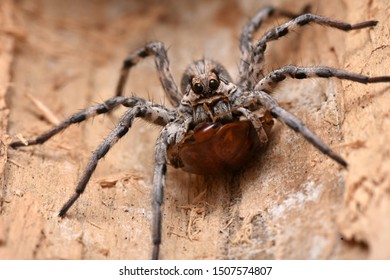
[[290, 202]]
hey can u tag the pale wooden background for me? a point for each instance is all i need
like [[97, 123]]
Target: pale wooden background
[[289, 203]]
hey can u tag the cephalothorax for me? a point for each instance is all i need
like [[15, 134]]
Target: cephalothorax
[[216, 124], [217, 140]]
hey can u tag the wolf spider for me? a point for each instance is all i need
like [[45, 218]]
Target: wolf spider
[[215, 125]]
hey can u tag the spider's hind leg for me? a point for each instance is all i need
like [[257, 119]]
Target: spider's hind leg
[[257, 58], [246, 46]]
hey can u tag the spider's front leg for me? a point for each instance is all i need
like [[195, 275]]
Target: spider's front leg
[[263, 99], [262, 90], [162, 64], [152, 113], [79, 117], [170, 134], [268, 83]]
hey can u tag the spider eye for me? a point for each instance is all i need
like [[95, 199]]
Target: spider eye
[[213, 84], [197, 88]]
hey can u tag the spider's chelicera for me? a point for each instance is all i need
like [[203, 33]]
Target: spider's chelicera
[[216, 124]]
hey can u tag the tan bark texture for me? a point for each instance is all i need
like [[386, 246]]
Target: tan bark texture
[[290, 202]]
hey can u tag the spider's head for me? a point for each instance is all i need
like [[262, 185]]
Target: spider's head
[[205, 85], [206, 88], [204, 79]]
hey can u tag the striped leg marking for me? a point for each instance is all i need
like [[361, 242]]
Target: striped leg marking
[[298, 126], [141, 111], [168, 135], [158, 115], [292, 25], [269, 82], [246, 38]]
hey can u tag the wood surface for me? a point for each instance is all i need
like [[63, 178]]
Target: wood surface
[[290, 202]]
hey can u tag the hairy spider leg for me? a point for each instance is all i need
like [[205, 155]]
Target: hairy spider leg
[[78, 117], [257, 124], [147, 110], [162, 64], [257, 55], [152, 114], [246, 45], [92, 111], [269, 82], [167, 136], [265, 100]]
